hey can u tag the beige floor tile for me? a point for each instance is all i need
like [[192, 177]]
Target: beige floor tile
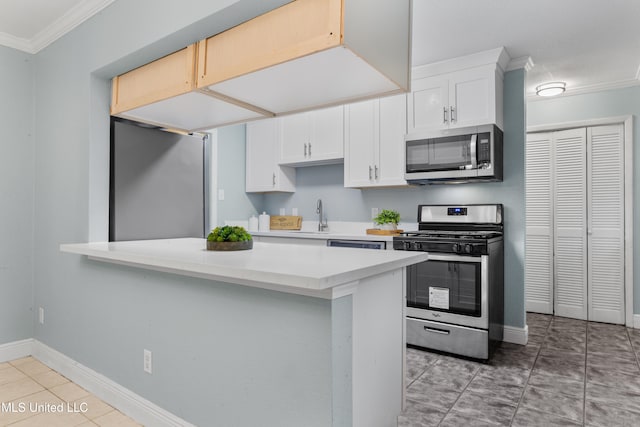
[[115, 419], [94, 407], [88, 424], [49, 379], [18, 389], [50, 419], [11, 375], [4, 365], [69, 392], [27, 407], [33, 367], [24, 360]]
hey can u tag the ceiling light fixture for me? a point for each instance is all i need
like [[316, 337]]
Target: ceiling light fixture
[[551, 89]]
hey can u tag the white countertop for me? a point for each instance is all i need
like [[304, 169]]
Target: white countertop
[[319, 271]]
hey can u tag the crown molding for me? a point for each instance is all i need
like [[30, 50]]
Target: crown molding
[[67, 22], [497, 56], [14, 42], [523, 62]]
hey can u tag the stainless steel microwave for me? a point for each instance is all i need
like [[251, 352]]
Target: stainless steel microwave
[[468, 154]]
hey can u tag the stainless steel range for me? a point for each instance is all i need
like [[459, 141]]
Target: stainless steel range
[[455, 299]]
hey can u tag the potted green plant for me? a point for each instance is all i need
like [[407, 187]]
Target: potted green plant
[[388, 219], [229, 238]]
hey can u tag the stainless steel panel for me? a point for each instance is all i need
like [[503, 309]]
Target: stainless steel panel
[[489, 214], [450, 338]]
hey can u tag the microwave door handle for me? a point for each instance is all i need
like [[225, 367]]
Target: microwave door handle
[[473, 145]]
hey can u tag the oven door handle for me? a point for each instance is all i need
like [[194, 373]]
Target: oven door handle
[[455, 258], [436, 331]]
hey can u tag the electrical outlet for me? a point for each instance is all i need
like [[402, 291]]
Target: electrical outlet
[[147, 361], [374, 212], [41, 315]]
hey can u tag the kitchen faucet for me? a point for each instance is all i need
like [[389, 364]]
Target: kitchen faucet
[[322, 225]]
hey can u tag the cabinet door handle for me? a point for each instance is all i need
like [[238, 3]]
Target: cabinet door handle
[[454, 117], [274, 179], [309, 149], [444, 115], [305, 149], [376, 171], [370, 170]]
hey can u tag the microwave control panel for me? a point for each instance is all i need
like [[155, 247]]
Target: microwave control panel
[[484, 148]]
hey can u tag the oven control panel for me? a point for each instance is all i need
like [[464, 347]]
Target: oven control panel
[[462, 248]]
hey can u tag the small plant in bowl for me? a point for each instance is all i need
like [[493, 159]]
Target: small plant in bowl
[[229, 238], [387, 219]]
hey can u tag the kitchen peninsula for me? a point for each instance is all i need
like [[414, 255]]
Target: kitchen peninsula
[[317, 337]]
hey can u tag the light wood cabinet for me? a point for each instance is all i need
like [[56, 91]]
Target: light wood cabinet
[[374, 143], [263, 174], [164, 78], [470, 97], [162, 93], [313, 137], [285, 60], [304, 55]]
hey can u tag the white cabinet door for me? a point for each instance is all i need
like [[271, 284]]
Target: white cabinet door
[[262, 170], [538, 268], [390, 154], [313, 137], [294, 137], [570, 228], [374, 145], [459, 99], [326, 141], [472, 97], [605, 233], [361, 136], [428, 104]]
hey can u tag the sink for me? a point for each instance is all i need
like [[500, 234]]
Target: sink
[[303, 231]]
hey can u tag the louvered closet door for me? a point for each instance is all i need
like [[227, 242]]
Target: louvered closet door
[[570, 194], [605, 169], [539, 223]]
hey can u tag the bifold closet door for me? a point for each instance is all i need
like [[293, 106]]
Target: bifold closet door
[[605, 164], [570, 225], [539, 224]]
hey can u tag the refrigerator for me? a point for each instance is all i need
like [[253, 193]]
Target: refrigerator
[[157, 183]]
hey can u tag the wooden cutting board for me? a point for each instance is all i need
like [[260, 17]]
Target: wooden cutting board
[[285, 222], [383, 232]]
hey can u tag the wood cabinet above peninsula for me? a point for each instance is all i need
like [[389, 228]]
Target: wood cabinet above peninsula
[[301, 56]]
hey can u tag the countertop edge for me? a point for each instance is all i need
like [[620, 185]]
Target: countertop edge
[[329, 287]]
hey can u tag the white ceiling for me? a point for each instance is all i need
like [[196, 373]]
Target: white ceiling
[[590, 44]]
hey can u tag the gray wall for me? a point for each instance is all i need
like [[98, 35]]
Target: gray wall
[[237, 204], [610, 103], [16, 194], [345, 204]]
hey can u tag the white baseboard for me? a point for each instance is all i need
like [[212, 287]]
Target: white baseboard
[[126, 401], [636, 321], [16, 350], [516, 335]]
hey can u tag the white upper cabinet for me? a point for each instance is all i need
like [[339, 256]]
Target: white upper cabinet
[[443, 97], [263, 174], [374, 143], [312, 138]]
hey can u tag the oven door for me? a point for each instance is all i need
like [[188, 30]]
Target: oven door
[[450, 288]]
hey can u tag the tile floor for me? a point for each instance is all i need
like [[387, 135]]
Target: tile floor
[[31, 394], [571, 373]]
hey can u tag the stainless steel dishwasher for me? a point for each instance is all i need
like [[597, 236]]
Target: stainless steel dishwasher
[[361, 244]]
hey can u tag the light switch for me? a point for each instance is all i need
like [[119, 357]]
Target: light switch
[[220, 194]]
